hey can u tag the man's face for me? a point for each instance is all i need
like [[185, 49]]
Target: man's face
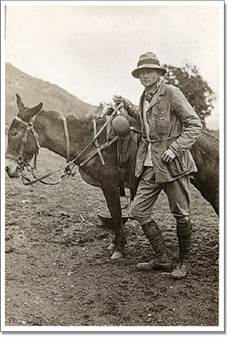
[[148, 76]]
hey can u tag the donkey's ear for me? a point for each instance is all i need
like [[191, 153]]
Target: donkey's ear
[[36, 109], [30, 112], [19, 102]]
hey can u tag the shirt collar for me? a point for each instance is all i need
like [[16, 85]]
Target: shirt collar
[[154, 88]]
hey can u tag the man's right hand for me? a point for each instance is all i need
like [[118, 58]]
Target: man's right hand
[[117, 99]]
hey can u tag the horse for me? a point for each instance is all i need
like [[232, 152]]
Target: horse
[[96, 156]]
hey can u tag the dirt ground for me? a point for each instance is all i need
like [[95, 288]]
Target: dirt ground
[[58, 271]]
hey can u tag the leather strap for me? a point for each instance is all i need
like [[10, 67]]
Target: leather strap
[[97, 143], [90, 155], [29, 126], [21, 121], [66, 132]]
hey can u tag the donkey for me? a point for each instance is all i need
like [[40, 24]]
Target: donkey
[[33, 128]]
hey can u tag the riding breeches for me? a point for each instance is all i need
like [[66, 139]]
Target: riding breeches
[[177, 191]]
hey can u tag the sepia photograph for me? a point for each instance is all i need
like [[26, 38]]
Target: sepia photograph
[[112, 151]]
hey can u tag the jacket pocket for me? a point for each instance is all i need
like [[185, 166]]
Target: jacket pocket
[[179, 165], [162, 121]]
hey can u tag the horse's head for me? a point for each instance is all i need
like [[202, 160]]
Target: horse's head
[[22, 144]]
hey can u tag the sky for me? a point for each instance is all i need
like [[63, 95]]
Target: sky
[[90, 49]]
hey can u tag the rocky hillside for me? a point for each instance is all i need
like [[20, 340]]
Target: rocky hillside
[[34, 91]]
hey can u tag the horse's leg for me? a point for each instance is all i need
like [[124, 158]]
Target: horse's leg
[[209, 190], [113, 245], [112, 196]]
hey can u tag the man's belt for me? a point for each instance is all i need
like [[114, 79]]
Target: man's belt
[[168, 138]]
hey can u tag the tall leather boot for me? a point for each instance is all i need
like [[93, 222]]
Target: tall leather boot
[[184, 232], [161, 260]]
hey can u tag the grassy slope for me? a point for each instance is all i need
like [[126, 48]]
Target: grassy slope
[[34, 91]]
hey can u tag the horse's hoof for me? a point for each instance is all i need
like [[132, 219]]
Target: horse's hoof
[[111, 247], [117, 255]]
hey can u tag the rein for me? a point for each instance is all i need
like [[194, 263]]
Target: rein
[[71, 164]]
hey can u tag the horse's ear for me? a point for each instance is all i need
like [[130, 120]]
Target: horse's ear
[[29, 113], [26, 112], [19, 103], [36, 109]]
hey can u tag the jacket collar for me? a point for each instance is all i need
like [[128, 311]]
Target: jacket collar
[[157, 96]]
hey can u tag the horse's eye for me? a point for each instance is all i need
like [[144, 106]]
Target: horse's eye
[[14, 133]]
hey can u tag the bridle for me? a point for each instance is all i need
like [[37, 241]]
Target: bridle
[[69, 168], [29, 127]]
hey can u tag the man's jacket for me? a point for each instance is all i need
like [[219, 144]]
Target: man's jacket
[[173, 124]]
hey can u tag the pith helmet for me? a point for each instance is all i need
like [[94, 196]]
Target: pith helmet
[[148, 60]]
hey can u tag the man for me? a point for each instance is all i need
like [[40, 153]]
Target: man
[[169, 128]]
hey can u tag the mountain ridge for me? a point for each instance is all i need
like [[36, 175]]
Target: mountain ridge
[[33, 91]]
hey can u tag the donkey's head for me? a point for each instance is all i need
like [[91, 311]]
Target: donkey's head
[[21, 142]]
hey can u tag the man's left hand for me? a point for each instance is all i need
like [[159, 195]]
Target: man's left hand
[[168, 156]]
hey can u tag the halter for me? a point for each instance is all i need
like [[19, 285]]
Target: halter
[[29, 126]]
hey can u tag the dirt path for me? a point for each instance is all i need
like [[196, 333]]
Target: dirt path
[[59, 272]]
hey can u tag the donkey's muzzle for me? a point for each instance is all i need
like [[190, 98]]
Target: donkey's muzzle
[[12, 169]]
